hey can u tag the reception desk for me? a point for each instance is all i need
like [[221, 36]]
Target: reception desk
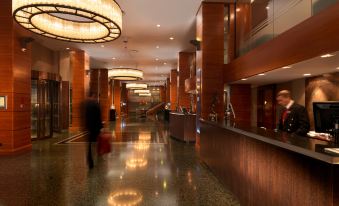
[[263, 167], [183, 126]]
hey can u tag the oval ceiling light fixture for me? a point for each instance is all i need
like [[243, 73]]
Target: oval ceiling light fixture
[[125, 74], [145, 94], [142, 91], [136, 86], [85, 21]]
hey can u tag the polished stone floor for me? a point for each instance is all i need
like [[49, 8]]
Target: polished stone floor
[[145, 167]]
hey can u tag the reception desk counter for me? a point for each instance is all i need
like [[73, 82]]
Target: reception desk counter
[[183, 126], [263, 167]]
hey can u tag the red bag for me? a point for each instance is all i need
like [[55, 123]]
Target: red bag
[[104, 143]]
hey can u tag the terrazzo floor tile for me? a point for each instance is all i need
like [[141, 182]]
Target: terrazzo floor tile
[[146, 167]]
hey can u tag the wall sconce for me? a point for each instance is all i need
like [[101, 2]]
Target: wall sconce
[[24, 41]]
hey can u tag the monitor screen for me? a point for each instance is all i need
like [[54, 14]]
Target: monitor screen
[[325, 116]]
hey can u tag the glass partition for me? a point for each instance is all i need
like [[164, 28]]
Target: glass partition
[[259, 21], [319, 5]]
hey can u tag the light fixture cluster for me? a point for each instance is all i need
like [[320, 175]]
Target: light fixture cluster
[[142, 91], [85, 21], [136, 86]]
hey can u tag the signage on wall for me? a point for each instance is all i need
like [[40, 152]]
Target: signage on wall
[[3, 102]]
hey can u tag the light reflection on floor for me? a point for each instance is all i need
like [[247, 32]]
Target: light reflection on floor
[[145, 167]]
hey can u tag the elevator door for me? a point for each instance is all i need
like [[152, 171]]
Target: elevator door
[[44, 109]]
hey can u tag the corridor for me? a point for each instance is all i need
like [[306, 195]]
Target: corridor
[[145, 167]]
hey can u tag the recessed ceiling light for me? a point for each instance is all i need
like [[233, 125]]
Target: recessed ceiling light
[[307, 74], [165, 63], [158, 47], [238, 9], [252, 1], [287, 67], [327, 55], [156, 59], [171, 38], [113, 58], [267, 7], [158, 25], [337, 68], [243, 79], [262, 74], [67, 48], [102, 46]]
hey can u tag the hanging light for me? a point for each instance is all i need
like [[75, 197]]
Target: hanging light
[[136, 86], [142, 91], [85, 21], [145, 95], [125, 74]]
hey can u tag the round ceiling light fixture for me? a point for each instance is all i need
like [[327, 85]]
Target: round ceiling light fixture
[[142, 91], [136, 86], [125, 74], [145, 94], [91, 21]]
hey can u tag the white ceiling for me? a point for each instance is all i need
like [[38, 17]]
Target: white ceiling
[[315, 66], [177, 19]]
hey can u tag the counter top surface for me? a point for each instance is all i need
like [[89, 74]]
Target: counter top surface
[[311, 147]]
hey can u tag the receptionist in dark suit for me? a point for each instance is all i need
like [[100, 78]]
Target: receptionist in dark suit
[[294, 118]]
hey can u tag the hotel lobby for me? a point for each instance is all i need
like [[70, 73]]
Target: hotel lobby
[[194, 102]]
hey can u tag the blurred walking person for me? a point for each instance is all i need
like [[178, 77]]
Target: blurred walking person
[[93, 124]]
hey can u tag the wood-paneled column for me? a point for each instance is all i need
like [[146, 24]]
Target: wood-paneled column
[[124, 99], [168, 89], [117, 97], [162, 90], [99, 87], [184, 66], [78, 66], [210, 31], [174, 89], [15, 85]]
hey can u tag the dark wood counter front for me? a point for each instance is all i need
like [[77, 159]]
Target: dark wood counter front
[[270, 168], [183, 126]]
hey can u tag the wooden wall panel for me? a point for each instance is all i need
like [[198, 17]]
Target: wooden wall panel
[[15, 83], [319, 89], [241, 100], [124, 99], [174, 89], [117, 97], [210, 30], [313, 37], [184, 65], [104, 103], [78, 88], [99, 88]]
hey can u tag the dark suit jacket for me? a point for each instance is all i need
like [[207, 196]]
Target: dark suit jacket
[[93, 120], [297, 120]]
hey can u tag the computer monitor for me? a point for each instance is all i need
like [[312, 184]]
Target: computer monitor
[[326, 114]]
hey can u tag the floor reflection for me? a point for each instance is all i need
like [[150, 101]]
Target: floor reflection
[[128, 197], [156, 170]]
